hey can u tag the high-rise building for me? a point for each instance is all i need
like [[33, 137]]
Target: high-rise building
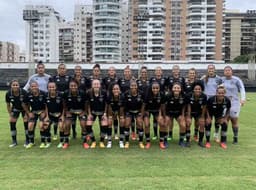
[[106, 31], [42, 34], [83, 34], [66, 42], [125, 33], [176, 30], [9, 52], [240, 34]]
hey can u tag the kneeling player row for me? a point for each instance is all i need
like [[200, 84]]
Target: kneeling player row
[[64, 109]]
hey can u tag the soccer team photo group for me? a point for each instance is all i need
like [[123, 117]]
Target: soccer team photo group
[[126, 108]]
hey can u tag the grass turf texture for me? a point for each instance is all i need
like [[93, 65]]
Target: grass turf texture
[[174, 168]]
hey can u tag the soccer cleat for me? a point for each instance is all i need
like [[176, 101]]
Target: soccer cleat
[[148, 145], [133, 136], [216, 137], [47, 145], [223, 145], [93, 145], [195, 138], [201, 144], [55, 137], [60, 145], [121, 144], [86, 146], [182, 144], [116, 137], [65, 146], [126, 145], [13, 144], [25, 144], [42, 145], [169, 138], [109, 144], [208, 145], [29, 145], [162, 146], [102, 145], [187, 144], [235, 140], [154, 138], [141, 145]]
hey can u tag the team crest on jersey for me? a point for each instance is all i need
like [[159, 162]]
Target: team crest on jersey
[[66, 78], [181, 101], [101, 99], [79, 98], [58, 100], [21, 98], [40, 98]]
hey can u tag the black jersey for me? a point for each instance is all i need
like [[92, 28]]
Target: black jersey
[[174, 105], [160, 81], [54, 104], [132, 103], [171, 80], [97, 103], [90, 79], [36, 103], [115, 104], [196, 104], [82, 82], [143, 85], [153, 103], [75, 103], [108, 81], [189, 86], [124, 85], [216, 109], [16, 101], [62, 82]]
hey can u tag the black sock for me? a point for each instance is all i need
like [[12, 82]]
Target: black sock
[[235, 132], [141, 133], [217, 127], [147, 135], [182, 136], [170, 134], [42, 133], [31, 136], [195, 132], [121, 133], [224, 129], [103, 133], [155, 128], [115, 126], [55, 128], [162, 136], [61, 137], [208, 132], [109, 133], [26, 131], [188, 135], [48, 135], [13, 131], [126, 134], [201, 136]]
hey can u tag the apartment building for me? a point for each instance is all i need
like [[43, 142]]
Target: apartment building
[[9, 52], [240, 34], [176, 30], [83, 47], [106, 31], [42, 33], [66, 42]]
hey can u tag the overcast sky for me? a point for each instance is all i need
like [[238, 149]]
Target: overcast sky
[[13, 27]]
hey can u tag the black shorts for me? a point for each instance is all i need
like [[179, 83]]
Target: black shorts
[[16, 113]]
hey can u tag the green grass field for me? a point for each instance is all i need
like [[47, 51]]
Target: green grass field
[[174, 168]]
